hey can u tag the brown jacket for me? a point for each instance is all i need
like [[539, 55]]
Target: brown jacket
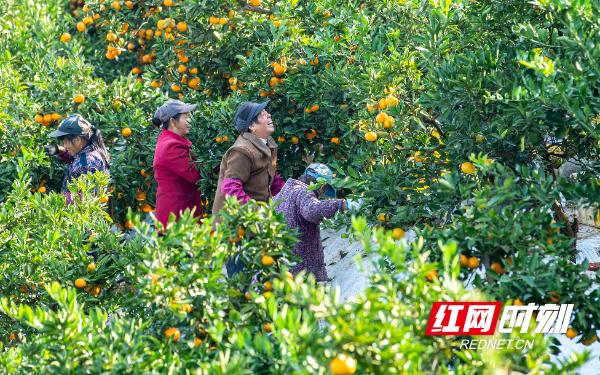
[[252, 162]]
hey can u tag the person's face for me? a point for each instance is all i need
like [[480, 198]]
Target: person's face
[[263, 126], [73, 146], [180, 126]]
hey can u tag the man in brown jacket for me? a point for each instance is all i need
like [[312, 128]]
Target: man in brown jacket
[[248, 168]]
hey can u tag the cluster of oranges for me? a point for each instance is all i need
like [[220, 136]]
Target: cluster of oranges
[[143, 205], [224, 138], [382, 118], [47, 119]]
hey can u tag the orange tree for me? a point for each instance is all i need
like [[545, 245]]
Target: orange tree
[[507, 230], [179, 312]]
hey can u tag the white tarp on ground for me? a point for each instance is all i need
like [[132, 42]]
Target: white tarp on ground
[[352, 279]]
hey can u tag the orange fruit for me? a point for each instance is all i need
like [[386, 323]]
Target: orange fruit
[[129, 4], [255, 3], [140, 196], [381, 117], [80, 283], [343, 364], [571, 333], [39, 119], [172, 333], [78, 99], [194, 83], [213, 20], [371, 136], [104, 199], [268, 327], [310, 134], [554, 297], [335, 140], [115, 5], [278, 69], [175, 87], [268, 286], [295, 140], [182, 26], [392, 101], [197, 342], [65, 37], [398, 233], [111, 37], [497, 267], [147, 208], [268, 294], [389, 122], [464, 261], [518, 302], [136, 70], [193, 70], [42, 189], [168, 3], [91, 267], [56, 117], [473, 262], [96, 290], [432, 275], [247, 296], [276, 23], [267, 260], [156, 84], [80, 27], [187, 308], [126, 132], [467, 167], [274, 81], [589, 341], [382, 217], [129, 224]]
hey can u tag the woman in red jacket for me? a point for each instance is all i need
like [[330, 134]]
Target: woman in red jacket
[[174, 170]]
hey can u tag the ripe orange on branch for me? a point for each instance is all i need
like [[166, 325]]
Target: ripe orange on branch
[[371, 136], [343, 364], [78, 99], [267, 260], [65, 37], [172, 333], [80, 283], [467, 168]]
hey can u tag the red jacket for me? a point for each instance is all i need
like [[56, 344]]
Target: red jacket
[[176, 176]]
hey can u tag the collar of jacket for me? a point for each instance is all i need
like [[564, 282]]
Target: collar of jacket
[[265, 149], [166, 133], [86, 149]]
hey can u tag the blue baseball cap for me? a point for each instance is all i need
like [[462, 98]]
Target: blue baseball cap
[[320, 170]]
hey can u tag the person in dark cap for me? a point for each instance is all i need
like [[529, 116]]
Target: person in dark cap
[[83, 149], [174, 170], [248, 168]]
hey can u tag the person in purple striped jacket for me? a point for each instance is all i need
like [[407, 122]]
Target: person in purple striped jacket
[[304, 212]]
